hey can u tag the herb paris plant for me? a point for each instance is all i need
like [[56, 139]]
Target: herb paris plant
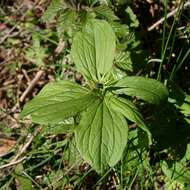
[[101, 134]]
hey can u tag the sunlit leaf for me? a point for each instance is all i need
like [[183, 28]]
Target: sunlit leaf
[[58, 101], [149, 90], [93, 49], [130, 111], [101, 136], [134, 21]]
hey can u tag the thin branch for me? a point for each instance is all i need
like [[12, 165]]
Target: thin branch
[[25, 146], [22, 149], [12, 163], [172, 13], [31, 85], [8, 34], [26, 75]]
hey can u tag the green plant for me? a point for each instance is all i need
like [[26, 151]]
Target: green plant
[[36, 54], [102, 108], [71, 17]]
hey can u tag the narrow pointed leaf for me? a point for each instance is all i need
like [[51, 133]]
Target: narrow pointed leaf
[[130, 111], [149, 90], [93, 49], [58, 101], [101, 136]]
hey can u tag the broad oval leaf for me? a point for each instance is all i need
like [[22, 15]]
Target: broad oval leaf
[[149, 90], [101, 136], [93, 49], [58, 101], [131, 112]]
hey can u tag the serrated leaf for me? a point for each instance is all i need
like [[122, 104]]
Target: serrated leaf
[[121, 30], [185, 109], [93, 49], [101, 135], [130, 111], [134, 21], [149, 90], [123, 61], [36, 54], [105, 12], [58, 101], [67, 21], [52, 10]]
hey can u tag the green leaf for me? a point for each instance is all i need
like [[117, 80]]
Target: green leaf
[[58, 101], [185, 109], [93, 49], [61, 128], [177, 172], [121, 30], [131, 112], [185, 105], [52, 10], [66, 22], [124, 62], [134, 21], [36, 54], [52, 176], [149, 90], [23, 182], [101, 135], [105, 12], [186, 156]]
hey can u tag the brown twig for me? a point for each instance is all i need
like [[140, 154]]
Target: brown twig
[[22, 149], [172, 13], [25, 146], [12, 163], [19, 77], [31, 85], [8, 34], [26, 75], [6, 61]]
